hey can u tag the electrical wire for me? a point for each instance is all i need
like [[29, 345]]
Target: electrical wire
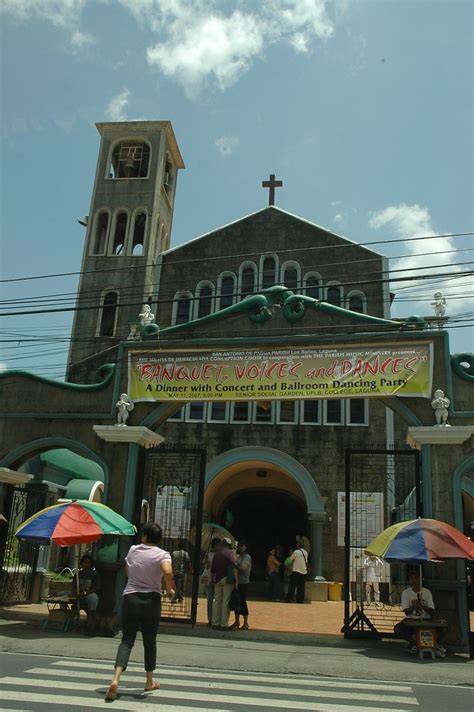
[[245, 254]]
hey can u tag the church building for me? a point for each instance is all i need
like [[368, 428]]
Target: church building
[[290, 365]]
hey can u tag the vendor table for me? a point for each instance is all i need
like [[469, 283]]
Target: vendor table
[[426, 634]]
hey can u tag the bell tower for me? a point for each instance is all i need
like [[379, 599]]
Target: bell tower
[[129, 225]]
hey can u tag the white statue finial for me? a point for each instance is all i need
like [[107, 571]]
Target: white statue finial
[[439, 304], [146, 317], [124, 406], [440, 405]]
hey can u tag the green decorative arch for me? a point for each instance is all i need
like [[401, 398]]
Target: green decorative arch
[[461, 482], [466, 373], [104, 376], [270, 456], [33, 447]]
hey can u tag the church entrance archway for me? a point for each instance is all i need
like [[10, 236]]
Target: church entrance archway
[[267, 497], [265, 518]]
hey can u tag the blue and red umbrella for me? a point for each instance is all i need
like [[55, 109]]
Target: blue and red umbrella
[[75, 522], [421, 540]]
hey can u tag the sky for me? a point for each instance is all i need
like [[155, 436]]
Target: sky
[[363, 109]]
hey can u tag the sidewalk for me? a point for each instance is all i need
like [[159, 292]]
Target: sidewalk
[[260, 650], [316, 617]]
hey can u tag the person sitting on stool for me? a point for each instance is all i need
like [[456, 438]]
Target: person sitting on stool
[[417, 604], [89, 584]]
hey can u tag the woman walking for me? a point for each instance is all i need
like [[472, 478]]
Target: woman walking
[[145, 565]]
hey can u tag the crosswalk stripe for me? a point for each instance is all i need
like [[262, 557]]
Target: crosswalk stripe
[[165, 705], [189, 672], [199, 694], [127, 706], [241, 688]]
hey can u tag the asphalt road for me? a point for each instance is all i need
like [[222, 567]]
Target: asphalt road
[[40, 682]]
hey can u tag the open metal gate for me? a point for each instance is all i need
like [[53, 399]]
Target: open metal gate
[[172, 496], [382, 487], [17, 558]]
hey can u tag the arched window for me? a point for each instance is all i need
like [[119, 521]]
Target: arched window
[[334, 294], [269, 271], [130, 159], [100, 232], [182, 308], [109, 314], [138, 240], [204, 297], [120, 233], [357, 302], [226, 290], [182, 312], [291, 275], [248, 279], [168, 176], [312, 285]]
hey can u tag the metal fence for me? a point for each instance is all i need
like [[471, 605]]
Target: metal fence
[[17, 558], [173, 489], [382, 487]]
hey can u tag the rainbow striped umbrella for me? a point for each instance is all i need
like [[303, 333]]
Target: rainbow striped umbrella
[[75, 522], [420, 540]]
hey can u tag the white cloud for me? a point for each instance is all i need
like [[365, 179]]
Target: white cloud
[[211, 45], [226, 145], [302, 19], [338, 219], [199, 41], [64, 14], [117, 107], [3, 367], [79, 40], [421, 258]]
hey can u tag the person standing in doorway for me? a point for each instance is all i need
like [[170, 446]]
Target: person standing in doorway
[[181, 566], [273, 572], [244, 566], [146, 565], [224, 575], [206, 577], [298, 575]]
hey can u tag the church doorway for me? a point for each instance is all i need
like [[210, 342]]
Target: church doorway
[[265, 518]]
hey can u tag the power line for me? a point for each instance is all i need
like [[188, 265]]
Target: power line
[[245, 254], [162, 301], [152, 285]]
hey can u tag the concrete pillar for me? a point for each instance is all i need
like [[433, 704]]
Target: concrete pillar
[[315, 525]]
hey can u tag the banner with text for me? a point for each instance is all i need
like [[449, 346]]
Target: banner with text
[[281, 374]]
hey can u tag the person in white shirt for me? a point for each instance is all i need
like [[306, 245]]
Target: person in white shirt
[[372, 577], [417, 604], [298, 575]]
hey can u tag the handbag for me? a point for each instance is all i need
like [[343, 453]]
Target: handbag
[[235, 602]]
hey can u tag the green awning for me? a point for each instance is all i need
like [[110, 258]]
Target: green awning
[[72, 464], [84, 489]]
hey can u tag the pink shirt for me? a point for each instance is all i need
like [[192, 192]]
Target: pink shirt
[[144, 568]]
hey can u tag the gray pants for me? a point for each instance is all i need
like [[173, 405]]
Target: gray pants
[[220, 606]]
